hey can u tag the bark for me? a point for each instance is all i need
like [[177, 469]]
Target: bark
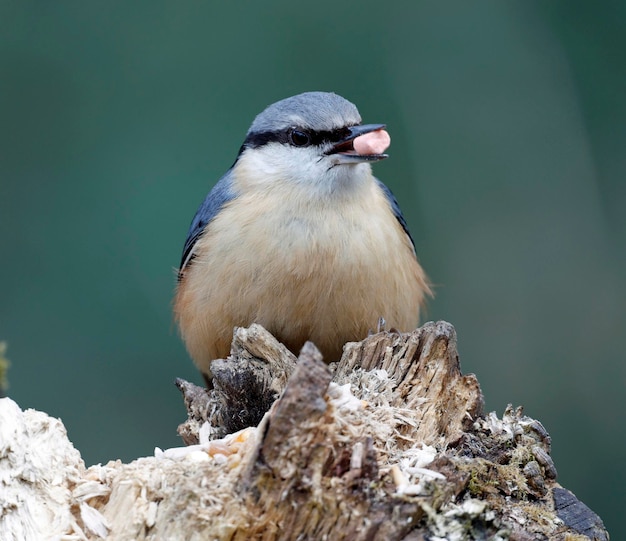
[[390, 443]]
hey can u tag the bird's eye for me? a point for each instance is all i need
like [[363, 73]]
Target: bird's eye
[[299, 138]]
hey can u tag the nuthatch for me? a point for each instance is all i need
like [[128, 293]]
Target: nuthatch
[[299, 236]]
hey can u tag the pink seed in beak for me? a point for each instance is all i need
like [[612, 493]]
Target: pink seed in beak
[[374, 142]]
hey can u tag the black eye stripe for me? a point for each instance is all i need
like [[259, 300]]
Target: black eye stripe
[[258, 139]]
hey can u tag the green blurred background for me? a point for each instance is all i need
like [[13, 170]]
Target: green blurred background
[[508, 122]]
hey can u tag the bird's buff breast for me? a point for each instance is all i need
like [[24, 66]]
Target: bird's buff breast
[[320, 272]]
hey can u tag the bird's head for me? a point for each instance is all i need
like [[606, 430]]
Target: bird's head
[[314, 139]]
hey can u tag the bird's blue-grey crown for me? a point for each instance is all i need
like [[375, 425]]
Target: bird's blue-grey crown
[[312, 110]]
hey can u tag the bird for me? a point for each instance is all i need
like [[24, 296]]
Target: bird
[[299, 237]]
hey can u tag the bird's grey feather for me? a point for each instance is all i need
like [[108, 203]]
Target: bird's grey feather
[[221, 194], [395, 207]]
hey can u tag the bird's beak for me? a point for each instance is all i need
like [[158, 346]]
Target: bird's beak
[[344, 150]]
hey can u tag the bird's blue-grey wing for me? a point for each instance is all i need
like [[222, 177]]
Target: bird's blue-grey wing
[[395, 207], [221, 194]]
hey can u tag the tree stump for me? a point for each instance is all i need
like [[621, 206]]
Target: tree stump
[[389, 443]]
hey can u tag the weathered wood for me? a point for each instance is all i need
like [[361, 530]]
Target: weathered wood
[[197, 401], [389, 443], [577, 516], [413, 386], [425, 371], [303, 477], [244, 386]]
